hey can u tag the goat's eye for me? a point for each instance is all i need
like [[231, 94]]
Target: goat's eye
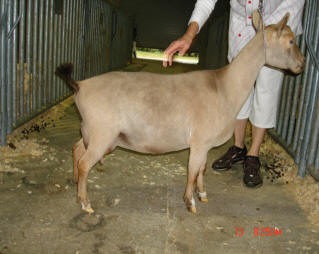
[[291, 41]]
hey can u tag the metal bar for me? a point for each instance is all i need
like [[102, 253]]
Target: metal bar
[[14, 61], [73, 48], [21, 57], [106, 37], [35, 55], [63, 35], [80, 51], [83, 39], [78, 39], [99, 30], [92, 48], [88, 41], [45, 100], [16, 22], [311, 49], [55, 90], [301, 106], [317, 158], [75, 41], [73, 34], [314, 135], [68, 34], [293, 117], [49, 94], [3, 19], [29, 33], [40, 61], [3, 77], [96, 39], [71, 42], [58, 52], [288, 107], [283, 103], [9, 67]]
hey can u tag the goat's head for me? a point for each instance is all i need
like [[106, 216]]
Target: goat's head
[[280, 42]]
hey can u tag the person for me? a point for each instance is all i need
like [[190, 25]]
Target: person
[[261, 106]]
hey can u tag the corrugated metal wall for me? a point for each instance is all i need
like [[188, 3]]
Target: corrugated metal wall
[[38, 35], [298, 118]]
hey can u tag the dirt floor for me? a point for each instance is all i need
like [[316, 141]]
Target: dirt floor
[[138, 198]]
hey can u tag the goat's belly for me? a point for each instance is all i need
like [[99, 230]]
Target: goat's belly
[[153, 149], [152, 145]]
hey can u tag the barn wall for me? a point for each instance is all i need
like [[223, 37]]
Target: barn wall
[[37, 36]]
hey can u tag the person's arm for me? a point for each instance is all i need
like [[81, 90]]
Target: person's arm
[[202, 10]]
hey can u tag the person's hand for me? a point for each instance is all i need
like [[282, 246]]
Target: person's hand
[[181, 45]]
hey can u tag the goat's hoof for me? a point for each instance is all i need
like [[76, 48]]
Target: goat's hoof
[[202, 196], [203, 200], [87, 208], [74, 181], [192, 209], [190, 204]]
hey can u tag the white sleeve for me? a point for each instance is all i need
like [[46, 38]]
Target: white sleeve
[[201, 12]]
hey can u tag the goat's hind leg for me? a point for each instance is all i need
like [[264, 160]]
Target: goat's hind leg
[[98, 146], [78, 151]]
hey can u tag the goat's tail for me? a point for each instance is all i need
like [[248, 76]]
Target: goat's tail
[[64, 71]]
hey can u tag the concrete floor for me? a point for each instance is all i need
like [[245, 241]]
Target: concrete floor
[[138, 203]]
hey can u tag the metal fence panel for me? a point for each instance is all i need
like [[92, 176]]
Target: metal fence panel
[[122, 37], [98, 38], [36, 36], [298, 116]]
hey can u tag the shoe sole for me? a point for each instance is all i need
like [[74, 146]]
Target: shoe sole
[[227, 168], [253, 186]]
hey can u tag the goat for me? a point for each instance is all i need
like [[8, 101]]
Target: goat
[[157, 113]]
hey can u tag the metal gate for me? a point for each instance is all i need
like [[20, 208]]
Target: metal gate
[[38, 35], [298, 117]]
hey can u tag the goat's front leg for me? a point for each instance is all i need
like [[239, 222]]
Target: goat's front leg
[[197, 158], [202, 196]]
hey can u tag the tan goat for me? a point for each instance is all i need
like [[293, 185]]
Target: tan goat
[[152, 113]]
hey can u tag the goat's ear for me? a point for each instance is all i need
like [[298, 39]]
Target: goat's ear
[[282, 23], [257, 21]]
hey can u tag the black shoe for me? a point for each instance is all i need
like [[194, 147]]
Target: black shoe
[[234, 155], [252, 175]]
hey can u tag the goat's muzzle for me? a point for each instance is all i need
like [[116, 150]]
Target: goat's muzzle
[[299, 65]]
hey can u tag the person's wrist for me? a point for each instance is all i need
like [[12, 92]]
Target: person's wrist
[[191, 32], [188, 38]]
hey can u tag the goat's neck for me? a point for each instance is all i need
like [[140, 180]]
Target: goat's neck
[[242, 72]]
